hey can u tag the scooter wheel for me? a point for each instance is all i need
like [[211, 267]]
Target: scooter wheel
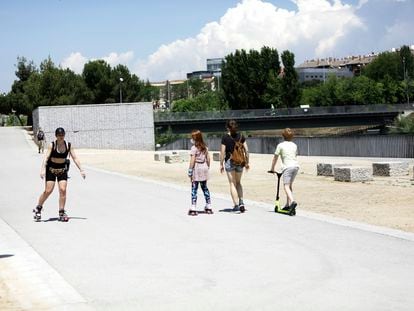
[[275, 209], [292, 212]]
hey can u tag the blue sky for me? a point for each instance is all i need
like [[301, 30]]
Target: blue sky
[[165, 39]]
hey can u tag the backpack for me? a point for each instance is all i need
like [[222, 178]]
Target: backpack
[[238, 156], [40, 135]]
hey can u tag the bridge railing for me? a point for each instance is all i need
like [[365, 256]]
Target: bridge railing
[[168, 116]]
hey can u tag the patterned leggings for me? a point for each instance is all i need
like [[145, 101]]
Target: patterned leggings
[[194, 188]]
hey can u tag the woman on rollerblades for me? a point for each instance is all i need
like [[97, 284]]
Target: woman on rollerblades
[[55, 167]]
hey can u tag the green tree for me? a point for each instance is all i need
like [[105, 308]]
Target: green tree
[[385, 64], [149, 92], [179, 91], [404, 125], [132, 86], [246, 78], [290, 81], [367, 91], [97, 76], [197, 87], [5, 104], [209, 101]]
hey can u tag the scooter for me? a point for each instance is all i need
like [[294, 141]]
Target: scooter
[[278, 209]]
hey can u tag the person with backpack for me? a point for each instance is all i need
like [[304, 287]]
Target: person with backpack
[[55, 166], [234, 156], [198, 172], [40, 140], [287, 150]]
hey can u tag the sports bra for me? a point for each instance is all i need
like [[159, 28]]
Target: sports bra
[[56, 154]]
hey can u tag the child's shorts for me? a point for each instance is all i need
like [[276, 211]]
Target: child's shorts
[[289, 174]]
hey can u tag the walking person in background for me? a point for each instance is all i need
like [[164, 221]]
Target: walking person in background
[[198, 172], [40, 135], [287, 150], [55, 166], [234, 156]]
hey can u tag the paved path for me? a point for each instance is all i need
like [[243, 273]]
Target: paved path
[[130, 246]]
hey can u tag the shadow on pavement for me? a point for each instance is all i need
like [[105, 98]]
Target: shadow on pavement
[[57, 219], [6, 256], [230, 210]]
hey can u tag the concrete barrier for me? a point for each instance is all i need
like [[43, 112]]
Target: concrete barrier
[[353, 173], [216, 156], [160, 156], [327, 169], [390, 168]]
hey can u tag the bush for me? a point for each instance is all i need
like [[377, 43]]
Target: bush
[[404, 125]]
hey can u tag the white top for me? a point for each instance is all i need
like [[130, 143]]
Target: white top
[[288, 151]]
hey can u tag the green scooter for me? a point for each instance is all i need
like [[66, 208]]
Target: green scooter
[[278, 209]]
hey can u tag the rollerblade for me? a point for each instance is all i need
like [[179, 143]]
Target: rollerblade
[[37, 213], [208, 210], [192, 212], [62, 216]]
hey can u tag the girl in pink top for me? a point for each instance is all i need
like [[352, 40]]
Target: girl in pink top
[[198, 171]]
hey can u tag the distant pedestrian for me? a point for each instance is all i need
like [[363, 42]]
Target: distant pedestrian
[[40, 136], [55, 166], [234, 156], [198, 171], [287, 150]]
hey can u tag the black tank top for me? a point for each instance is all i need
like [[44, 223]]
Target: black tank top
[[56, 154]]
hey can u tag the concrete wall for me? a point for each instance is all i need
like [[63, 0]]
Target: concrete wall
[[104, 126], [386, 146]]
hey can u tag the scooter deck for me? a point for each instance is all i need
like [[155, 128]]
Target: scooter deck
[[285, 212]]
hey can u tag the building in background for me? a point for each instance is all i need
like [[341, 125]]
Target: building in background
[[321, 69], [213, 70], [214, 66]]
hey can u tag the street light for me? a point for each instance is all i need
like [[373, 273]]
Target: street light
[[120, 90]]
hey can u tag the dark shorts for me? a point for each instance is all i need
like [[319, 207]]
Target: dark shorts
[[52, 177]]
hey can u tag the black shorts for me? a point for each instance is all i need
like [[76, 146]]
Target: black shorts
[[52, 177]]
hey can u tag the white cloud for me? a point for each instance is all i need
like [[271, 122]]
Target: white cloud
[[75, 61], [114, 59], [311, 30]]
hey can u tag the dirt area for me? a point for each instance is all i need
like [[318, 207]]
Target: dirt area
[[385, 201]]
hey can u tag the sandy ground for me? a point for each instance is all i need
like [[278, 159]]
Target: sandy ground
[[385, 201]]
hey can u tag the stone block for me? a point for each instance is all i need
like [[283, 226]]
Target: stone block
[[216, 156], [390, 168], [173, 158], [352, 173], [327, 169], [160, 156]]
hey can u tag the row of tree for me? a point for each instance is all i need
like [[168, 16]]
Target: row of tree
[[257, 80], [254, 80], [250, 80], [388, 79], [51, 85]]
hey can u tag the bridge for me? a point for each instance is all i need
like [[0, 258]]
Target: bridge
[[270, 119]]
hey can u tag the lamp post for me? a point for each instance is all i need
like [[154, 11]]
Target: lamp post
[[120, 90]]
